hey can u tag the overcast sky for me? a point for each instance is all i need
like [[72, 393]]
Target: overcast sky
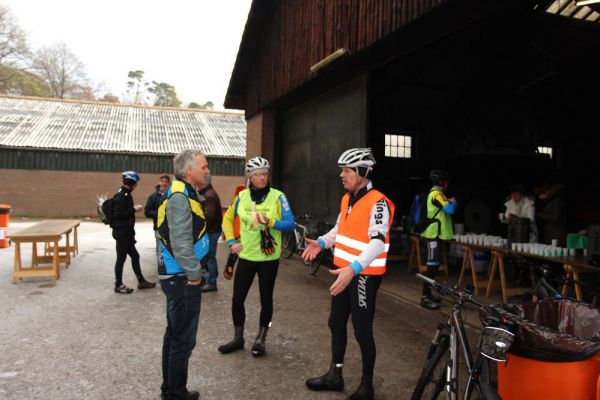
[[191, 44]]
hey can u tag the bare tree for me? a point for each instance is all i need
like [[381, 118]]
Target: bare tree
[[14, 50], [62, 71], [109, 98]]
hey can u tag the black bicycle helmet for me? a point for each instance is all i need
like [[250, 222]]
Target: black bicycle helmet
[[130, 177], [438, 175]]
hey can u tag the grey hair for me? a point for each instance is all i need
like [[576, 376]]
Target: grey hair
[[184, 159]]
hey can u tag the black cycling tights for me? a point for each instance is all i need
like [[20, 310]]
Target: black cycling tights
[[126, 246], [357, 299], [267, 273]]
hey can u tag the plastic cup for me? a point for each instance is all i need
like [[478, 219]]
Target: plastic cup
[[519, 246], [565, 251], [513, 246], [572, 252], [554, 242]]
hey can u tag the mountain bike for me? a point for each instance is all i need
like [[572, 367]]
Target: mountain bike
[[440, 377], [325, 257], [295, 242]]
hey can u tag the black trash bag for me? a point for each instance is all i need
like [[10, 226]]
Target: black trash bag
[[555, 330]]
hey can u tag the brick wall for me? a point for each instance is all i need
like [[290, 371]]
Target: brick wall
[[44, 193], [261, 135]]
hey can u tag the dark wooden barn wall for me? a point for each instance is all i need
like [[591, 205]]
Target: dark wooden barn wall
[[313, 137], [303, 32]]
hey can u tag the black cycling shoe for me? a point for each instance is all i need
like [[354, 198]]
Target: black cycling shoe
[[259, 348], [332, 380], [193, 395], [123, 289], [427, 302], [435, 299], [146, 285], [365, 390], [237, 343]]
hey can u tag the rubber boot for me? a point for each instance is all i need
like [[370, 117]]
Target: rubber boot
[[332, 380], [365, 390], [236, 344], [259, 348]]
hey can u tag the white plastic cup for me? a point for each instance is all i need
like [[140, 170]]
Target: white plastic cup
[[513, 246], [519, 246], [572, 252], [554, 242], [565, 251]]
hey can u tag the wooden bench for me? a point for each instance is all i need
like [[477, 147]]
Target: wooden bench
[[49, 232]]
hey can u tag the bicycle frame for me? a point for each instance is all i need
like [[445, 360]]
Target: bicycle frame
[[458, 343], [458, 338], [300, 233]]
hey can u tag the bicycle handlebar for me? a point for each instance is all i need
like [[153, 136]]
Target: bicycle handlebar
[[446, 290]]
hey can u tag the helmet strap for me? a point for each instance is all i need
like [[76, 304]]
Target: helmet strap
[[359, 181]]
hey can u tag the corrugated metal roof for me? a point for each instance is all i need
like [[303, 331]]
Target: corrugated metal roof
[[575, 9], [87, 126]]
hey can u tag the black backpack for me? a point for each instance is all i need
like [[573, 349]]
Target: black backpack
[[105, 211], [419, 214]]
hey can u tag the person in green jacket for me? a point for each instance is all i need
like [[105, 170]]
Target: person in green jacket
[[264, 213], [439, 209]]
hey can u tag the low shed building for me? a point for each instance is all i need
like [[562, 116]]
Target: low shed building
[[57, 156]]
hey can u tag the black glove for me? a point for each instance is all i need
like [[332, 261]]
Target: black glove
[[267, 242], [230, 265]]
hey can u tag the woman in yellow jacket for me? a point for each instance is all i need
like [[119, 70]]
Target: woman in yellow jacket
[[264, 213]]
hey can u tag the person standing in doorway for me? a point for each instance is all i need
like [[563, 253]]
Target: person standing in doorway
[[123, 231], [184, 243], [211, 204], [361, 239], [151, 210], [264, 213], [439, 211]]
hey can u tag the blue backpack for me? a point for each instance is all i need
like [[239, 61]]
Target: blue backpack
[[418, 214]]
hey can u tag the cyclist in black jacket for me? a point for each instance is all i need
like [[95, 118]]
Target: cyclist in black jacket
[[151, 210], [123, 231]]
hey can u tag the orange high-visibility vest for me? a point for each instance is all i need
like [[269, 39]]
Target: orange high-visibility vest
[[353, 232]]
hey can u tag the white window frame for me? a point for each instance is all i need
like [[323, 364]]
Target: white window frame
[[546, 150], [398, 145]]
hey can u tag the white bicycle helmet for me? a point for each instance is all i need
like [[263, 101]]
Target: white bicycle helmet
[[359, 157], [255, 164]]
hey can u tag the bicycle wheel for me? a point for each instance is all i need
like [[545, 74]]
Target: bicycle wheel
[[316, 263], [288, 244], [433, 377]]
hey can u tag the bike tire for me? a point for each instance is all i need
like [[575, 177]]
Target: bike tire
[[486, 386], [431, 382], [288, 244], [316, 263]]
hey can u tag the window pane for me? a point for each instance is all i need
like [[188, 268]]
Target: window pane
[[394, 152], [401, 141], [407, 141], [401, 152], [394, 140], [407, 152], [387, 140], [387, 150]]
